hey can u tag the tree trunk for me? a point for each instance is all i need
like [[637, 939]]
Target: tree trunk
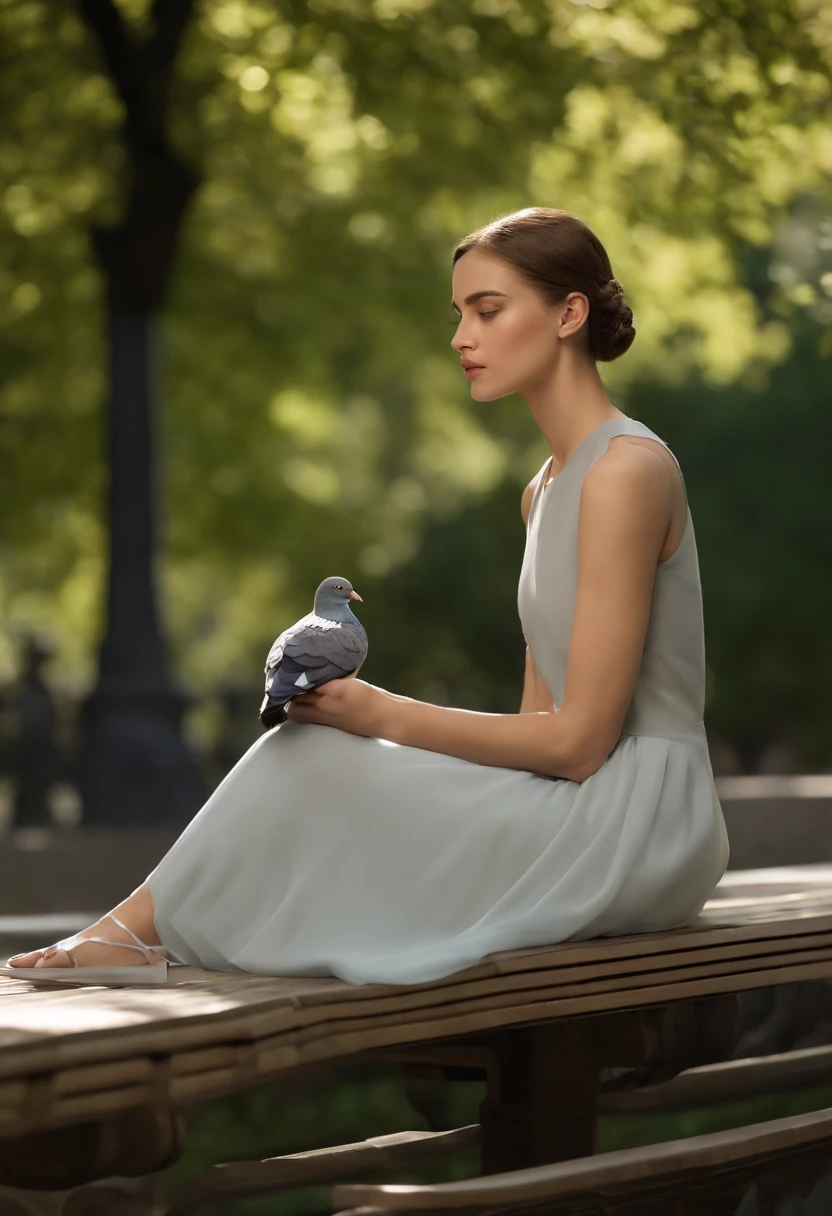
[[135, 766]]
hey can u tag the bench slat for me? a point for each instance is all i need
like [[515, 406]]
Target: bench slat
[[603, 1173], [730, 1081], [239, 1179]]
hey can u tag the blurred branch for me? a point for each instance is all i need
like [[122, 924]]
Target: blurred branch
[[170, 20], [137, 254], [121, 56], [141, 72]]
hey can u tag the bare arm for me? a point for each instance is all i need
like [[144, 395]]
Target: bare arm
[[625, 511], [624, 515]]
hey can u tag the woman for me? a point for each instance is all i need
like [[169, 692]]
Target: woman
[[382, 839]]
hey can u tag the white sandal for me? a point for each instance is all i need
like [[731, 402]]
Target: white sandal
[[153, 973]]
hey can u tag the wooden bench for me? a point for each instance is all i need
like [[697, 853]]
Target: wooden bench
[[93, 1081]]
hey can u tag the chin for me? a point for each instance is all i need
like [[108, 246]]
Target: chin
[[489, 394]]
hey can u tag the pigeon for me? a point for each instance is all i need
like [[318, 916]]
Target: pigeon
[[326, 644]]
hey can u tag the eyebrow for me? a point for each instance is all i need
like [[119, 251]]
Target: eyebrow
[[477, 295]]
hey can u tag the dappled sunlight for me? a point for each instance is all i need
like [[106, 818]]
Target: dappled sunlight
[[313, 260], [303, 415], [32, 1010]]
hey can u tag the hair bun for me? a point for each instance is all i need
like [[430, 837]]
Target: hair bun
[[611, 323], [557, 253]]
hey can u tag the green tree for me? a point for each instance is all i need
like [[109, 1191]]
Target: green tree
[[315, 419]]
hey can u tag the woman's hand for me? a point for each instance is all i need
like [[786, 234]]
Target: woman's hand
[[349, 704]]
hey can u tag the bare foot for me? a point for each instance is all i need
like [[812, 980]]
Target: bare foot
[[92, 954]]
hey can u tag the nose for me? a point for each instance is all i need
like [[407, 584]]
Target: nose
[[459, 342]]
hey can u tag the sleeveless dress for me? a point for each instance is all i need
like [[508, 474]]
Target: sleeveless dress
[[323, 853]]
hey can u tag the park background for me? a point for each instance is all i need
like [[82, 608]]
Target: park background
[[234, 220]]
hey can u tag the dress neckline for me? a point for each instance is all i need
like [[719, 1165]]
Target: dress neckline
[[544, 484]]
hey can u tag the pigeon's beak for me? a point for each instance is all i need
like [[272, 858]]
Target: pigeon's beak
[[355, 596]]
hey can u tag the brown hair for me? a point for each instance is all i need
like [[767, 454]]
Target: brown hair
[[557, 253]]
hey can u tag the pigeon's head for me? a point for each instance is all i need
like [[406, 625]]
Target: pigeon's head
[[333, 596]]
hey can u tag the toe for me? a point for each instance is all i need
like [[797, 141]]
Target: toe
[[52, 958], [25, 960]]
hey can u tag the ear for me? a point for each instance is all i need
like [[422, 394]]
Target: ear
[[574, 315]]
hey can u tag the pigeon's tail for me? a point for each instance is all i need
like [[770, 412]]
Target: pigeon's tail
[[272, 712]]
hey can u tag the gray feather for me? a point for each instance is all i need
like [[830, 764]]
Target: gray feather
[[328, 643]]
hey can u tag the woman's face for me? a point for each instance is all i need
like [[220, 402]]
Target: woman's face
[[510, 330]]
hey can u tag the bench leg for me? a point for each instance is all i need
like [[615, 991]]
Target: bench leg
[[129, 1144], [116, 1200], [542, 1098], [544, 1086]]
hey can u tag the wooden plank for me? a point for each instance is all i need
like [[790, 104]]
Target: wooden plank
[[729, 1081], [101, 1076], [582, 984], [306, 1030], [239, 1179], [294, 1055], [623, 971], [602, 1173]]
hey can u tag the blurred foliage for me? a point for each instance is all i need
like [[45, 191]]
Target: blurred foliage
[[315, 418], [355, 1105], [342, 1106], [757, 472]]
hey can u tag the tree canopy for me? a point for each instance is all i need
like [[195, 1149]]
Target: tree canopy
[[315, 419]]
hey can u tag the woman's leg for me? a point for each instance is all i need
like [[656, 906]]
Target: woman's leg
[[136, 912]]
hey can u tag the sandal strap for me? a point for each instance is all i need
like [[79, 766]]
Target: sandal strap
[[163, 951], [68, 944], [111, 916], [103, 941]]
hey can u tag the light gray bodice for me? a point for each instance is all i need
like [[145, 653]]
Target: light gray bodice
[[669, 696]]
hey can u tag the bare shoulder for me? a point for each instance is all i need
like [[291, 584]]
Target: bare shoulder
[[631, 469], [627, 495]]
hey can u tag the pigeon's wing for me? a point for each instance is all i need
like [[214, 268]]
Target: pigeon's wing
[[321, 642], [293, 678], [275, 655], [310, 656]]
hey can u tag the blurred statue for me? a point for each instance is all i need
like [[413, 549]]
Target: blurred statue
[[32, 744]]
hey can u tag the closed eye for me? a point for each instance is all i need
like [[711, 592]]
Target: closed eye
[[456, 320]]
